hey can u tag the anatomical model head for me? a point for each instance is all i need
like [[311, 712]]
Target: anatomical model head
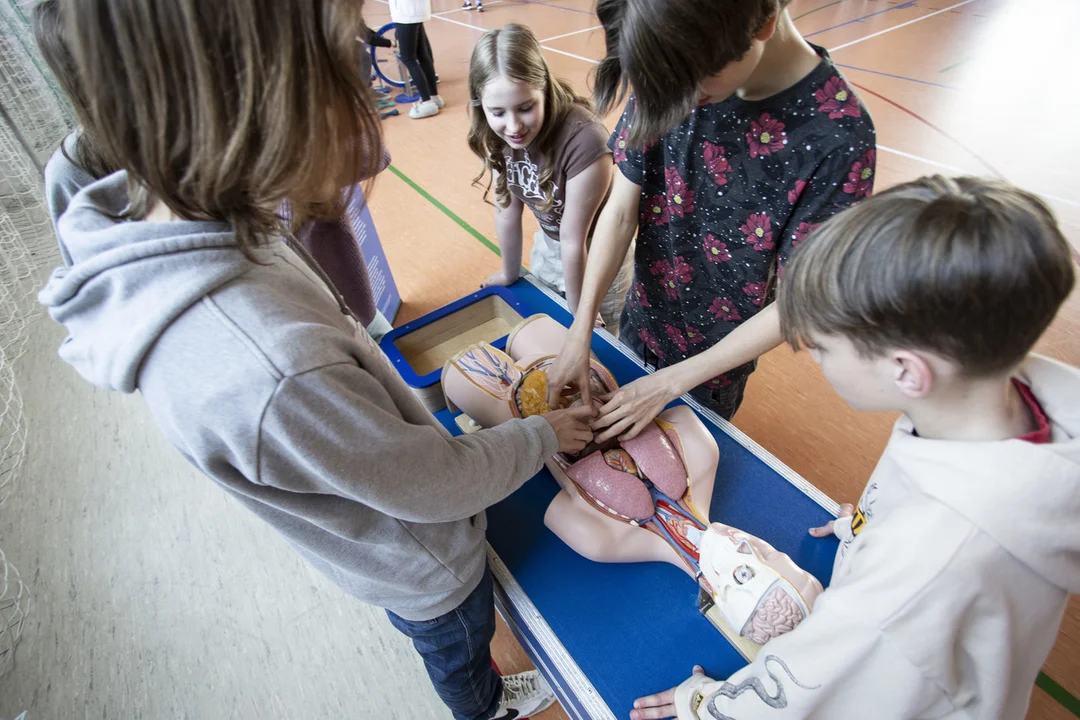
[[758, 590]]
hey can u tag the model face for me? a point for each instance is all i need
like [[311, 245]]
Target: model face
[[514, 111], [741, 570], [736, 559], [740, 579]]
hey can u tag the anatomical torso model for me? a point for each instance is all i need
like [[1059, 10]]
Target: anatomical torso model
[[644, 499]]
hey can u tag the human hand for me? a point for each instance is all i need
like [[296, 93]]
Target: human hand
[[599, 322], [846, 510], [661, 705], [499, 278], [574, 433], [627, 411], [571, 367]]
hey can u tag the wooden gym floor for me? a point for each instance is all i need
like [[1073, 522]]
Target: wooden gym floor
[[957, 87]]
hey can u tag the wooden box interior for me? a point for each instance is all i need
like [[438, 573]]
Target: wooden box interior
[[428, 348]]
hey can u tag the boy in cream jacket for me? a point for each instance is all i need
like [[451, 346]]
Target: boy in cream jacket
[[953, 572]]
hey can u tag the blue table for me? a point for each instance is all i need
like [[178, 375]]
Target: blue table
[[605, 634]]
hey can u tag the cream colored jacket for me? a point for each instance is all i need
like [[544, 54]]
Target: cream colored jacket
[[946, 596]]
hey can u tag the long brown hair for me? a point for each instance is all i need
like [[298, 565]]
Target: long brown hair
[[223, 109], [970, 269], [49, 34], [664, 50], [514, 51]]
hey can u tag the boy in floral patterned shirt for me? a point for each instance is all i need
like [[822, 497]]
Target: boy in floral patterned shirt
[[740, 137]]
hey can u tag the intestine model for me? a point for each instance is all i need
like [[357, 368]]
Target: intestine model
[[644, 499]]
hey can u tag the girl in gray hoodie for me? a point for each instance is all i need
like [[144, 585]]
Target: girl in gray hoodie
[[177, 284]]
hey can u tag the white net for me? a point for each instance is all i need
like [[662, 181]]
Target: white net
[[34, 118], [12, 430], [26, 242], [14, 601], [28, 91]]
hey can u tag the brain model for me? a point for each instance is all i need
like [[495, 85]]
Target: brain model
[[778, 614]]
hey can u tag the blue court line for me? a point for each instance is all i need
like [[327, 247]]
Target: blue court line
[[898, 77], [817, 9], [901, 6], [553, 5]]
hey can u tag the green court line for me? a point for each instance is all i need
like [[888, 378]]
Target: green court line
[[1044, 681], [947, 68], [811, 12], [447, 211], [1064, 698]]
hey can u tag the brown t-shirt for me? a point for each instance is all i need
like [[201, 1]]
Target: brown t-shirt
[[578, 144]]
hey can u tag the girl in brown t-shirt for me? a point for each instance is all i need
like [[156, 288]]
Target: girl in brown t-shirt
[[546, 150]]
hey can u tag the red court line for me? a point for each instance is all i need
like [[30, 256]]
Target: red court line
[[996, 173]]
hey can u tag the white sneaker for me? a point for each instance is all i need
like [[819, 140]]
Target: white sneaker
[[437, 99], [423, 109], [524, 695]]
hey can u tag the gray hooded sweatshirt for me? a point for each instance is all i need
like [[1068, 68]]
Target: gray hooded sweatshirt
[[262, 380]]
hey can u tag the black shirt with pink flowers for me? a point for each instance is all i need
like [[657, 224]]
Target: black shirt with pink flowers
[[725, 198]]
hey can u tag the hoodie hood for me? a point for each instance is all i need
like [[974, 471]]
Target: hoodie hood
[[1025, 496], [126, 281], [63, 180]]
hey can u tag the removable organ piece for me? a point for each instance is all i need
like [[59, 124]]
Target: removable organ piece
[[533, 395], [618, 491], [658, 459], [751, 594]]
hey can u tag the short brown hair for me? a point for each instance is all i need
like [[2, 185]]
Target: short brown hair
[[223, 109], [664, 49], [48, 29], [514, 51], [970, 269]]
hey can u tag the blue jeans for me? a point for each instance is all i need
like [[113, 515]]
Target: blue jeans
[[457, 653]]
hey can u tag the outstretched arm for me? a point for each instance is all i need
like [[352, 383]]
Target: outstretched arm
[[611, 240], [508, 232], [631, 407], [584, 194]]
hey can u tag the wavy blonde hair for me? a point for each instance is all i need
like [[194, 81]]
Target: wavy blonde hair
[[514, 51]]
